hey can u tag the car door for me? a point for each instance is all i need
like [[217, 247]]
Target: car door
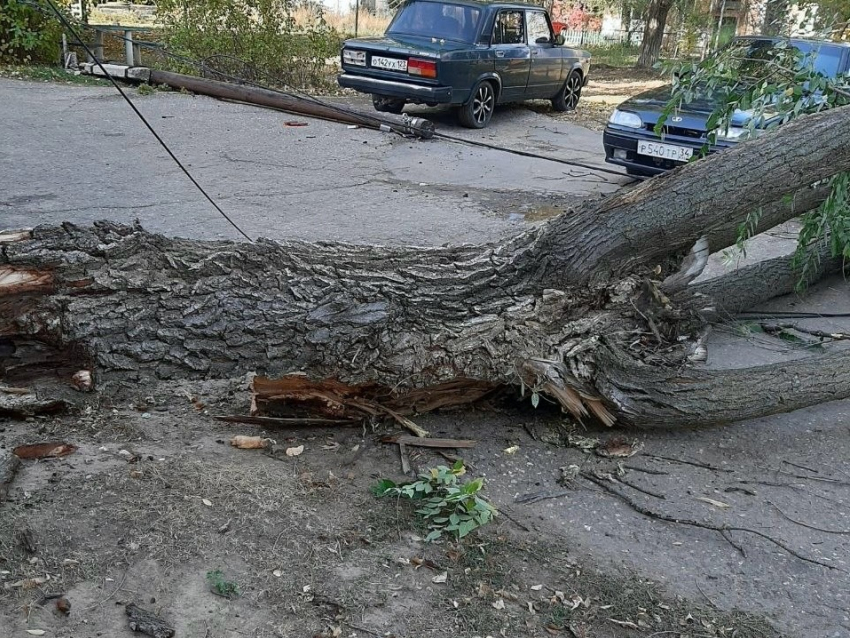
[[546, 74], [513, 55]]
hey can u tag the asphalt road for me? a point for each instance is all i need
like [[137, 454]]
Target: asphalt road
[[79, 153]]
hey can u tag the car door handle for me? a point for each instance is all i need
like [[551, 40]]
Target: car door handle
[[500, 54], [535, 52]]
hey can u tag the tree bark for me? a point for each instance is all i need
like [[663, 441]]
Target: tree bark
[[145, 622], [655, 20], [544, 308]]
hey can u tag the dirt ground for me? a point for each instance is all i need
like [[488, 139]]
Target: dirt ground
[[155, 507]]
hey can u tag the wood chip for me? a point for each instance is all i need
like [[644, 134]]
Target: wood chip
[[711, 501]]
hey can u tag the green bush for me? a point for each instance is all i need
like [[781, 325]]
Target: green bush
[[446, 504], [272, 41], [28, 33]]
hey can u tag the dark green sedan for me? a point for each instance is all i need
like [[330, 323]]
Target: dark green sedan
[[472, 55]]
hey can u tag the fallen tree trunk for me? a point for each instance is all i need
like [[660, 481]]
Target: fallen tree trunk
[[544, 309]]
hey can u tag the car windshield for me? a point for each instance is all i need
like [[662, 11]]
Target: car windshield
[[751, 58], [437, 20]]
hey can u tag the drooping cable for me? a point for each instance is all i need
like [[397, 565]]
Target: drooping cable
[[144, 120]]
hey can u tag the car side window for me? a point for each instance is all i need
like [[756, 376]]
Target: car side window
[[539, 31], [509, 28]]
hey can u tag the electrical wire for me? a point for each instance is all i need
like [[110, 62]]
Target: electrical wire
[[162, 143], [590, 167]]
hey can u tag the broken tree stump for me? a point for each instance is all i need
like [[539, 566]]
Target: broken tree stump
[[146, 623]]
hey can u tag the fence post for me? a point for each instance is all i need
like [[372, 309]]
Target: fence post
[[356, 16]]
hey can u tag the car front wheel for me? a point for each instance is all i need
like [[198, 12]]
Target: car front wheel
[[385, 104], [476, 113], [568, 97]]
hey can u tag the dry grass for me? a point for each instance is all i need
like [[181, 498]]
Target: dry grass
[[368, 24]]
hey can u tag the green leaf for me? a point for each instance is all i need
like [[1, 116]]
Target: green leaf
[[382, 487], [433, 535]]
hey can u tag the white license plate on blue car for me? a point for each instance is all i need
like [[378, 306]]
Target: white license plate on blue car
[[665, 151], [390, 64]]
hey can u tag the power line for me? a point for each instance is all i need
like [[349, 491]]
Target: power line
[[162, 143], [203, 66]]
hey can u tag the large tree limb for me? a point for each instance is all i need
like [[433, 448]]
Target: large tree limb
[[746, 287], [534, 308], [667, 214], [689, 397]]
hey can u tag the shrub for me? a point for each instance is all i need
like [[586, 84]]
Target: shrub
[[28, 33], [445, 504], [258, 39]]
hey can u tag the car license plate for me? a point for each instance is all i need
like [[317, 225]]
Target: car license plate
[[665, 151], [391, 64]]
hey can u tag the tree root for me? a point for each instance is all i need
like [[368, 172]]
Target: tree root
[[842, 532], [722, 529]]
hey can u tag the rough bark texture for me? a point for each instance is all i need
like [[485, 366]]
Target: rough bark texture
[[146, 623], [741, 289], [653, 32], [537, 308], [650, 396]]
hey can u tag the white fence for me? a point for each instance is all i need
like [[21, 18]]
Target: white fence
[[597, 39]]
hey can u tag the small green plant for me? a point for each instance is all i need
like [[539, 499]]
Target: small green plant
[[221, 586], [446, 504], [146, 89]]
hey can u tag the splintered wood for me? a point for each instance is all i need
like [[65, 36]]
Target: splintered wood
[[296, 395], [15, 281]]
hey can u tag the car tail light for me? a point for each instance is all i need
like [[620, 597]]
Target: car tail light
[[423, 68], [357, 58]]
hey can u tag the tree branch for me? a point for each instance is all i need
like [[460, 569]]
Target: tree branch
[[723, 529]]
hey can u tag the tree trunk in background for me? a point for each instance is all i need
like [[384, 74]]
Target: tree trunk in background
[[626, 18], [578, 309], [775, 17], [653, 32]]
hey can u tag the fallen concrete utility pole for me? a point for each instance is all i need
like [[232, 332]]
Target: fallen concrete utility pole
[[415, 126]]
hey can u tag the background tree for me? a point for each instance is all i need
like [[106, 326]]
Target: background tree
[[29, 32], [655, 20]]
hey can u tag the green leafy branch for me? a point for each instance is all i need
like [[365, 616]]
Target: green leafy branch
[[446, 505], [754, 90]]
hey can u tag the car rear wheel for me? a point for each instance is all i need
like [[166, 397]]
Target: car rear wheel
[[568, 97], [386, 104], [476, 113]]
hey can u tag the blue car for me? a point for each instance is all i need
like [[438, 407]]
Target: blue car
[[630, 139], [472, 55]]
